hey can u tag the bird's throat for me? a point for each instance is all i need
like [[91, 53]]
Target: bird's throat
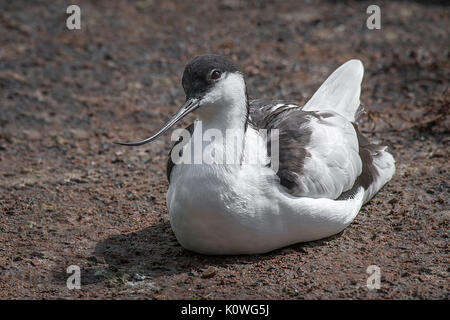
[[223, 133]]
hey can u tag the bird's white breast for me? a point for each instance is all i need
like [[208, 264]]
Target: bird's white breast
[[233, 209]]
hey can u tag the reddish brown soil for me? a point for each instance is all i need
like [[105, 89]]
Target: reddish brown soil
[[68, 196]]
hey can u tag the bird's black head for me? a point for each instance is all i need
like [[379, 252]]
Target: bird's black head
[[203, 72], [208, 81]]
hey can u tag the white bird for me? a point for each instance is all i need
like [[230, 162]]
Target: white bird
[[222, 202]]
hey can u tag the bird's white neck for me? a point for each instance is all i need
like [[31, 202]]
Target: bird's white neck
[[222, 119]]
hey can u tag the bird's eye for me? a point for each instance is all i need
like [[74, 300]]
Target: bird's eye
[[215, 74]]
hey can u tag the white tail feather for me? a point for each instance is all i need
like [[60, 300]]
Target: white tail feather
[[340, 92]]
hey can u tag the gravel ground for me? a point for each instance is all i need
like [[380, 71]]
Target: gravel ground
[[68, 196]]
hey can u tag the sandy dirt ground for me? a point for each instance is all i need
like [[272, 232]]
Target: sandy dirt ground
[[68, 196]]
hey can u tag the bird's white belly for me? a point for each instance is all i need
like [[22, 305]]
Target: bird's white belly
[[207, 214], [218, 211]]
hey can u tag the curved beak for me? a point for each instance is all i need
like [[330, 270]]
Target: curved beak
[[187, 107]]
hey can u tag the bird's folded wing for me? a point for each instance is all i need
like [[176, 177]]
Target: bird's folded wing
[[318, 154]]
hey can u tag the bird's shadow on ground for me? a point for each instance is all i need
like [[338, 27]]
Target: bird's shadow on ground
[[154, 252]]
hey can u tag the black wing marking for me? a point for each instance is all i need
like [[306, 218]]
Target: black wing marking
[[260, 109], [293, 136], [170, 164], [367, 152]]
